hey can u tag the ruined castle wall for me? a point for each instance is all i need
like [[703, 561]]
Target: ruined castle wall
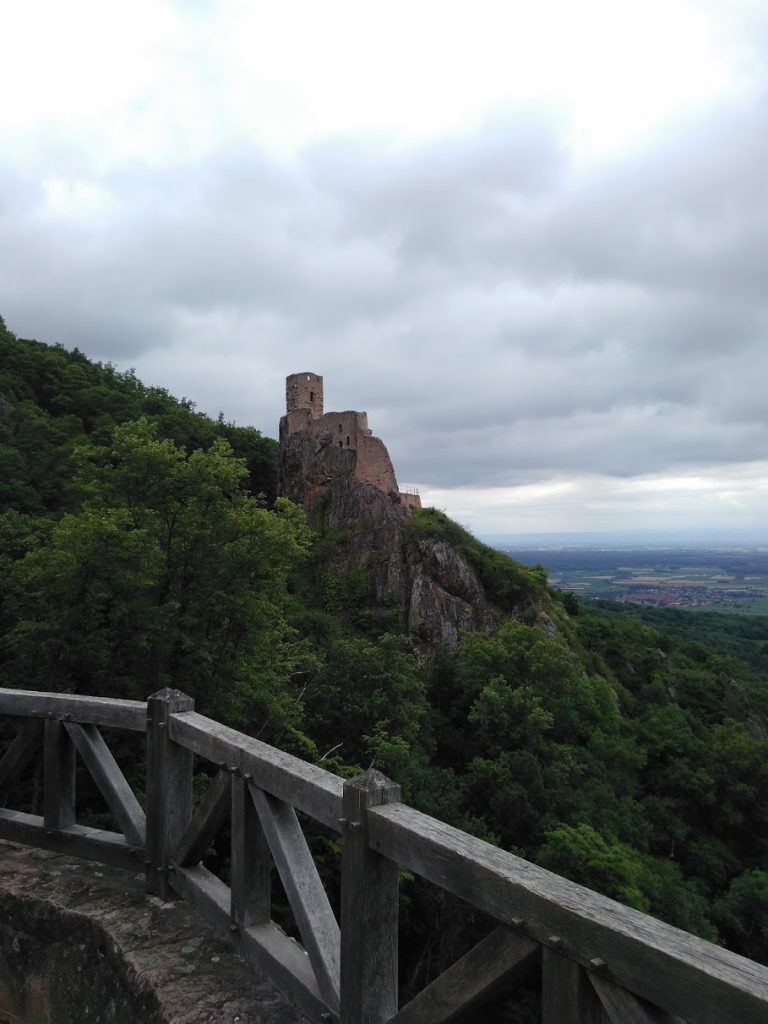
[[410, 500], [299, 419], [346, 428], [374, 465], [304, 391]]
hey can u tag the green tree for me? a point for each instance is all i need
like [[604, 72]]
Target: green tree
[[367, 703], [584, 855], [742, 914], [168, 575], [614, 868]]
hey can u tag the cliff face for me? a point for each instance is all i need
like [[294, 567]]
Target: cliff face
[[438, 590]]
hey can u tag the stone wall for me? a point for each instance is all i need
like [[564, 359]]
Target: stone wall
[[346, 428], [410, 500], [81, 943], [298, 419], [374, 465]]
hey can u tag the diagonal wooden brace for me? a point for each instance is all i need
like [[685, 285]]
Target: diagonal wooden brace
[[112, 784], [207, 821], [623, 1007], [482, 974], [301, 881]]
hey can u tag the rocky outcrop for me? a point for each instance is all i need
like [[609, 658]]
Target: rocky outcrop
[[309, 464], [739, 706], [445, 595], [436, 587]]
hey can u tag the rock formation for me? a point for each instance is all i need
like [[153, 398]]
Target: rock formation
[[324, 466]]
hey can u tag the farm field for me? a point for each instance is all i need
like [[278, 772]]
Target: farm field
[[698, 578]]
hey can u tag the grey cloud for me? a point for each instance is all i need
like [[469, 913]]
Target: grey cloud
[[424, 200], [619, 443], [500, 316], [690, 215]]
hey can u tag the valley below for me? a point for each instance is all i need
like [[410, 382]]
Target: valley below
[[722, 578]]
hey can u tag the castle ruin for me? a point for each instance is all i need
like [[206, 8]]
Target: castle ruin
[[347, 430]]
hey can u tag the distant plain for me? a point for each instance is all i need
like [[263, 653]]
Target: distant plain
[[721, 578]]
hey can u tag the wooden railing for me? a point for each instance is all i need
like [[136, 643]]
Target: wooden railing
[[600, 961]]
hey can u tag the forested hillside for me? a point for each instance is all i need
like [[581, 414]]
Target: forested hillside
[[141, 545]]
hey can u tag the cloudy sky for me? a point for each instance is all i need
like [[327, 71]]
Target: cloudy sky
[[531, 239]]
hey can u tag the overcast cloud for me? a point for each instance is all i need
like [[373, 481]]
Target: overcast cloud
[[550, 296]]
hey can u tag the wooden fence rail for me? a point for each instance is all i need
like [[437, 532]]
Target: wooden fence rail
[[600, 962]]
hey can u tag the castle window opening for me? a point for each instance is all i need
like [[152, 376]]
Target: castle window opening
[[311, 396], [340, 445], [347, 440], [339, 428]]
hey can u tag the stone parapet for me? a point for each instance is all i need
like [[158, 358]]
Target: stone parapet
[[83, 942], [410, 500]]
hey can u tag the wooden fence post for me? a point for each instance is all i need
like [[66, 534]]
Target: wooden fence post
[[169, 788], [369, 908], [58, 776], [251, 861]]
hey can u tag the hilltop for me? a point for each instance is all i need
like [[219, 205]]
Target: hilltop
[[142, 543], [443, 581]]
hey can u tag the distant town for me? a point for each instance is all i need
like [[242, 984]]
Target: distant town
[[734, 578]]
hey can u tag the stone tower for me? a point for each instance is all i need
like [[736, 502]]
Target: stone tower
[[303, 400], [304, 391]]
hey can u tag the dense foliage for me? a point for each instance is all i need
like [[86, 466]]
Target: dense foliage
[[506, 582], [53, 400], [741, 638], [135, 553]]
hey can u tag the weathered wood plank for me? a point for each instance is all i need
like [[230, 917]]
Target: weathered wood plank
[[482, 974], [207, 821], [313, 914], [670, 968], [169, 788], [369, 908], [624, 1008], [19, 753], [251, 861], [285, 962], [58, 776], [263, 945], [566, 994], [308, 788], [75, 841], [112, 784], [208, 894], [104, 711]]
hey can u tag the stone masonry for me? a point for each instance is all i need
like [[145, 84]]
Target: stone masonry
[[82, 943], [347, 430]]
